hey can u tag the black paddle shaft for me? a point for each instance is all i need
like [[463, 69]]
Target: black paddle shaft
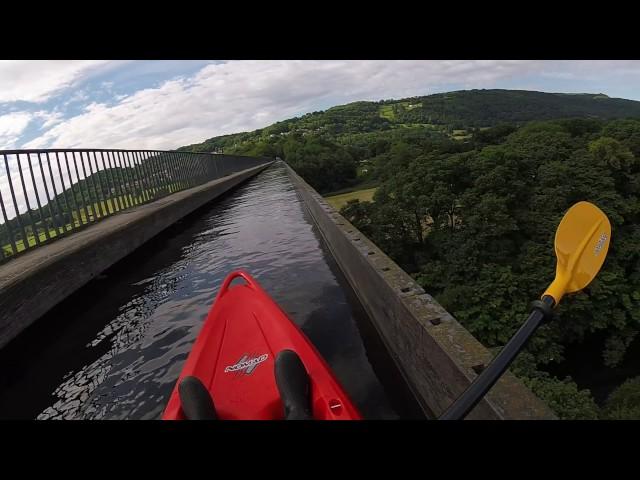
[[542, 310]]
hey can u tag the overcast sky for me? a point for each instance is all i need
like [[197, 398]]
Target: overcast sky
[[168, 104]]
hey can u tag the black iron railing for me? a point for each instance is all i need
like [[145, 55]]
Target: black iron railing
[[48, 194]]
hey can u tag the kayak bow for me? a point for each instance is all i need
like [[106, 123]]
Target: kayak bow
[[250, 361]]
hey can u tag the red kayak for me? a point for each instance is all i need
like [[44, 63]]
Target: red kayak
[[251, 362]]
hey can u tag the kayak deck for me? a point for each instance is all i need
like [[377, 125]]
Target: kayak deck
[[234, 358]]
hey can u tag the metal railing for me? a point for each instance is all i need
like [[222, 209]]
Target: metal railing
[[48, 194]]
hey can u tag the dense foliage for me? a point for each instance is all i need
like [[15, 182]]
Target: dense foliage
[[624, 402], [481, 108], [476, 229]]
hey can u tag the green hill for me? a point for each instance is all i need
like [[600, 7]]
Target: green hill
[[345, 145], [443, 112]]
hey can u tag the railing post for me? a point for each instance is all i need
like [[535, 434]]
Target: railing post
[[116, 181], [91, 181], [62, 228], [73, 196], [137, 159], [176, 158], [208, 162], [34, 228], [153, 177], [203, 166], [137, 183], [69, 212], [196, 168], [187, 169], [108, 180], [49, 200], [132, 177], [157, 159], [129, 181], [216, 166], [193, 158], [123, 178], [15, 206], [88, 209], [188, 158], [97, 182], [144, 181], [7, 227], [178, 170]]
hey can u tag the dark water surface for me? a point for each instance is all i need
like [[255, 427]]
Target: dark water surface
[[115, 348]]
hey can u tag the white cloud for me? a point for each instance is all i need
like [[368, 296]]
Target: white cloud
[[37, 80], [78, 96], [245, 95], [11, 127], [49, 118]]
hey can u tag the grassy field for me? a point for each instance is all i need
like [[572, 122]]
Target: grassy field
[[386, 111], [460, 135], [339, 201]]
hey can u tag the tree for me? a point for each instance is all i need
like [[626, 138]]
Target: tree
[[565, 398], [326, 166], [624, 402], [477, 230]]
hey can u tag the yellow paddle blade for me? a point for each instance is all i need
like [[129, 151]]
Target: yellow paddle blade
[[582, 242]]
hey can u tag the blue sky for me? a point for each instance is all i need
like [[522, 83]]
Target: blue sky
[[167, 104]]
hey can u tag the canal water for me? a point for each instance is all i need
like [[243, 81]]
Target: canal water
[[115, 348]]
